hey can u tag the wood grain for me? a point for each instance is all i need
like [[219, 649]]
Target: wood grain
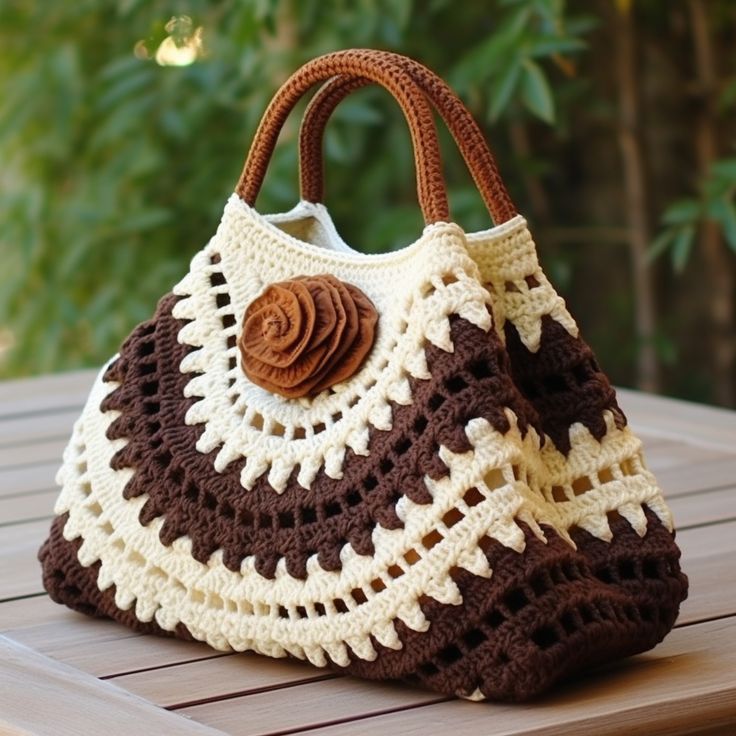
[[684, 686], [27, 507], [45, 394], [42, 697], [308, 705]]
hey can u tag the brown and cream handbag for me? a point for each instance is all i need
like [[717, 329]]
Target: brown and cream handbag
[[405, 465]]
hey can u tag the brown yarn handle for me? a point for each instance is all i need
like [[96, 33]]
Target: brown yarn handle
[[457, 117], [378, 67]]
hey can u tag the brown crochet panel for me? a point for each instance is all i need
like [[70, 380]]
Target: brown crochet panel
[[545, 613], [563, 382], [213, 508]]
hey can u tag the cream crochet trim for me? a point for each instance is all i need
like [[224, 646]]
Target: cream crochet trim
[[414, 290]]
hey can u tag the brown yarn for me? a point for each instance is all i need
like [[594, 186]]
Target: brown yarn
[[381, 69], [468, 136], [211, 508], [302, 336]]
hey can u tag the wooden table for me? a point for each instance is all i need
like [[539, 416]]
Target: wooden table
[[61, 673]]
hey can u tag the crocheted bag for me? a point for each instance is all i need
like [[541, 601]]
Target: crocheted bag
[[312, 452], [589, 457]]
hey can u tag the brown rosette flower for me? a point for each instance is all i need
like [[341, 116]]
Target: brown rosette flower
[[303, 335]]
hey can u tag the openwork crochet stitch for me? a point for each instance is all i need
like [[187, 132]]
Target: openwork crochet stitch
[[468, 509]]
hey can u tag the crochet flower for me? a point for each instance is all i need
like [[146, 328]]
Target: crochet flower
[[301, 336]]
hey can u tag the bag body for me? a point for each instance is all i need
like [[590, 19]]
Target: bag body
[[425, 479]]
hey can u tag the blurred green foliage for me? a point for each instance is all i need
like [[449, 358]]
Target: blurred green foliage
[[116, 167]]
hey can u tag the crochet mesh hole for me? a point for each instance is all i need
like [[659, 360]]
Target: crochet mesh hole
[[246, 518], [627, 570], [264, 521], [558, 493], [319, 428], [412, 556], [231, 342], [222, 299], [197, 596], [95, 509], [429, 669], [450, 655], [227, 510], [386, 465], [511, 287], [332, 509], [494, 479], [136, 558], [217, 278], [216, 601], [449, 278], [378, 585], [582, 485], [554, 384], [474, 638], [353, 498], [299, 433], [108, 528], [545, 637], [473, 497], [605, 475], [452, 517], [495, 618], [277, 429], [540, 584], [420, 424], [395, 571], [340, 605], [286, 519], [210, 502], [257, 421], [650, 568], [436, 401], [402, 446], [301, 612], [516, 600], [456, 384], [431, 539], [531, 282], [370, 483], [358, 596], [481, 369]]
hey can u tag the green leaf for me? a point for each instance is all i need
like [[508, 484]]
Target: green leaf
[[682, 244], [684, 211], [660, 244], [536, 93], [724, 213], [504, 89], [725, 169]]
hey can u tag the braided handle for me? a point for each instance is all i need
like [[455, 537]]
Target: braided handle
[[464, 129], [377, 67]]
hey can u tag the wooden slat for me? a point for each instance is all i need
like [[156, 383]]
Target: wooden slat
[[694, 477], [697, 509], [28, 479], [27, 612], [28, 507], [106, 649], [40, 696], [680, 420], [45, 393], [20, 571], [30, 455], [676, 454], [29, 428], [684, 686], [303, 706], [237, 674]]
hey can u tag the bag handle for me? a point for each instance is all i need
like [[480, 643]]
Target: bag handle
[[457, 117], [378, 67]]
